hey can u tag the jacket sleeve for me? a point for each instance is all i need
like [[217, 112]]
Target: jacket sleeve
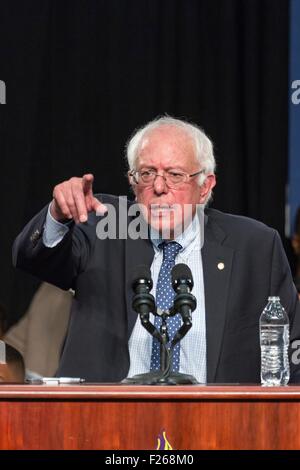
[[59, 265]]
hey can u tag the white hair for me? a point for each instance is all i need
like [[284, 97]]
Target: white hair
[[203, 145]]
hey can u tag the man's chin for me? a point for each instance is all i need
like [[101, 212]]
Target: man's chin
[[166, 231]]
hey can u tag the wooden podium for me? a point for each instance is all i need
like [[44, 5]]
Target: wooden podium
[[122, 417]]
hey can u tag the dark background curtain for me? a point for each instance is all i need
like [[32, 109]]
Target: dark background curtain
[[81, 76]]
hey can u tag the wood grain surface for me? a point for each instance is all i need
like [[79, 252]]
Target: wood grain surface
[[132, 417]]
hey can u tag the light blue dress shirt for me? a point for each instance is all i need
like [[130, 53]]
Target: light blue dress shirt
[[54, 231]]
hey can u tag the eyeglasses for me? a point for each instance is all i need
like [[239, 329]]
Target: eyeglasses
[[172, 178]]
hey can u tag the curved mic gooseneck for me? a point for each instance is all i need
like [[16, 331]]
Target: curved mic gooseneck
[[144, 303], [185, 302]]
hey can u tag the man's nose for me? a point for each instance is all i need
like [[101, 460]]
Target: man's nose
[[159, 185]]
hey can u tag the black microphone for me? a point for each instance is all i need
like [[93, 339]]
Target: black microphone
[[183, 283], [182, 278], [143, 302]]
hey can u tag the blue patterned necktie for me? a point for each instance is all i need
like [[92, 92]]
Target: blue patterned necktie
[[164, 300]]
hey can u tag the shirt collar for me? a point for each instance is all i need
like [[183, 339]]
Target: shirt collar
[[184, 239]]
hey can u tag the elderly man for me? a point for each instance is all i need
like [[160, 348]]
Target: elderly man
[[236, 263]]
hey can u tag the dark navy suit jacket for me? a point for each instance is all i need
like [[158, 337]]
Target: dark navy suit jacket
[[96, 347]]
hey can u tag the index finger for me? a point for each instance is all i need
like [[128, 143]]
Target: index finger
[[87, 183], [79, 199]]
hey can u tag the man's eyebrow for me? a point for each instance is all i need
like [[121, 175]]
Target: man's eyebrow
[[168, 168], [175, 168], [148, 167]]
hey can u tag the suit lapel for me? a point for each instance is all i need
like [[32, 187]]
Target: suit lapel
[[136, 252], [217, 264]]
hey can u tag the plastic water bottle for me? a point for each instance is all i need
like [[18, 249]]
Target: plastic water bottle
[[274, 344]]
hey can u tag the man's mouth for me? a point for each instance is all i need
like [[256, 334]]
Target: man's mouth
[[157, 210]]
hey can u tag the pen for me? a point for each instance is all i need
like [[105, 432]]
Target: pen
[[63, 380]]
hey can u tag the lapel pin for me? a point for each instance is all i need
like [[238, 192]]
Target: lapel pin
[[221, 266]]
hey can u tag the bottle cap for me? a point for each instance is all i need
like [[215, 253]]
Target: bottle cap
[[273, 298]]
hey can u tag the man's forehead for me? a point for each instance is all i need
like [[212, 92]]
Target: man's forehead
[[165, 133], [169, 141], [145, 143]]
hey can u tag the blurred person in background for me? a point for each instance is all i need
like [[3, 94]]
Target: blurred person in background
[[40, 333], [12, 367]]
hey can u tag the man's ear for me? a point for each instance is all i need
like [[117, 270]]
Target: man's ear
[[206, 188], [131, 184]]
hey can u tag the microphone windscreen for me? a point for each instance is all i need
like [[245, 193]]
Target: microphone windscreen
[[181, 272], [141, 272]]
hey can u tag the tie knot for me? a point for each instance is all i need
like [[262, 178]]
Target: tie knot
[[170, 250]]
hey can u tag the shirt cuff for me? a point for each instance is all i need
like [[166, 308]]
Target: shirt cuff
[[54, 231]]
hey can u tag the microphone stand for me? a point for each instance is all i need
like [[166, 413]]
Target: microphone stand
[[164, 376], [163, 345]]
